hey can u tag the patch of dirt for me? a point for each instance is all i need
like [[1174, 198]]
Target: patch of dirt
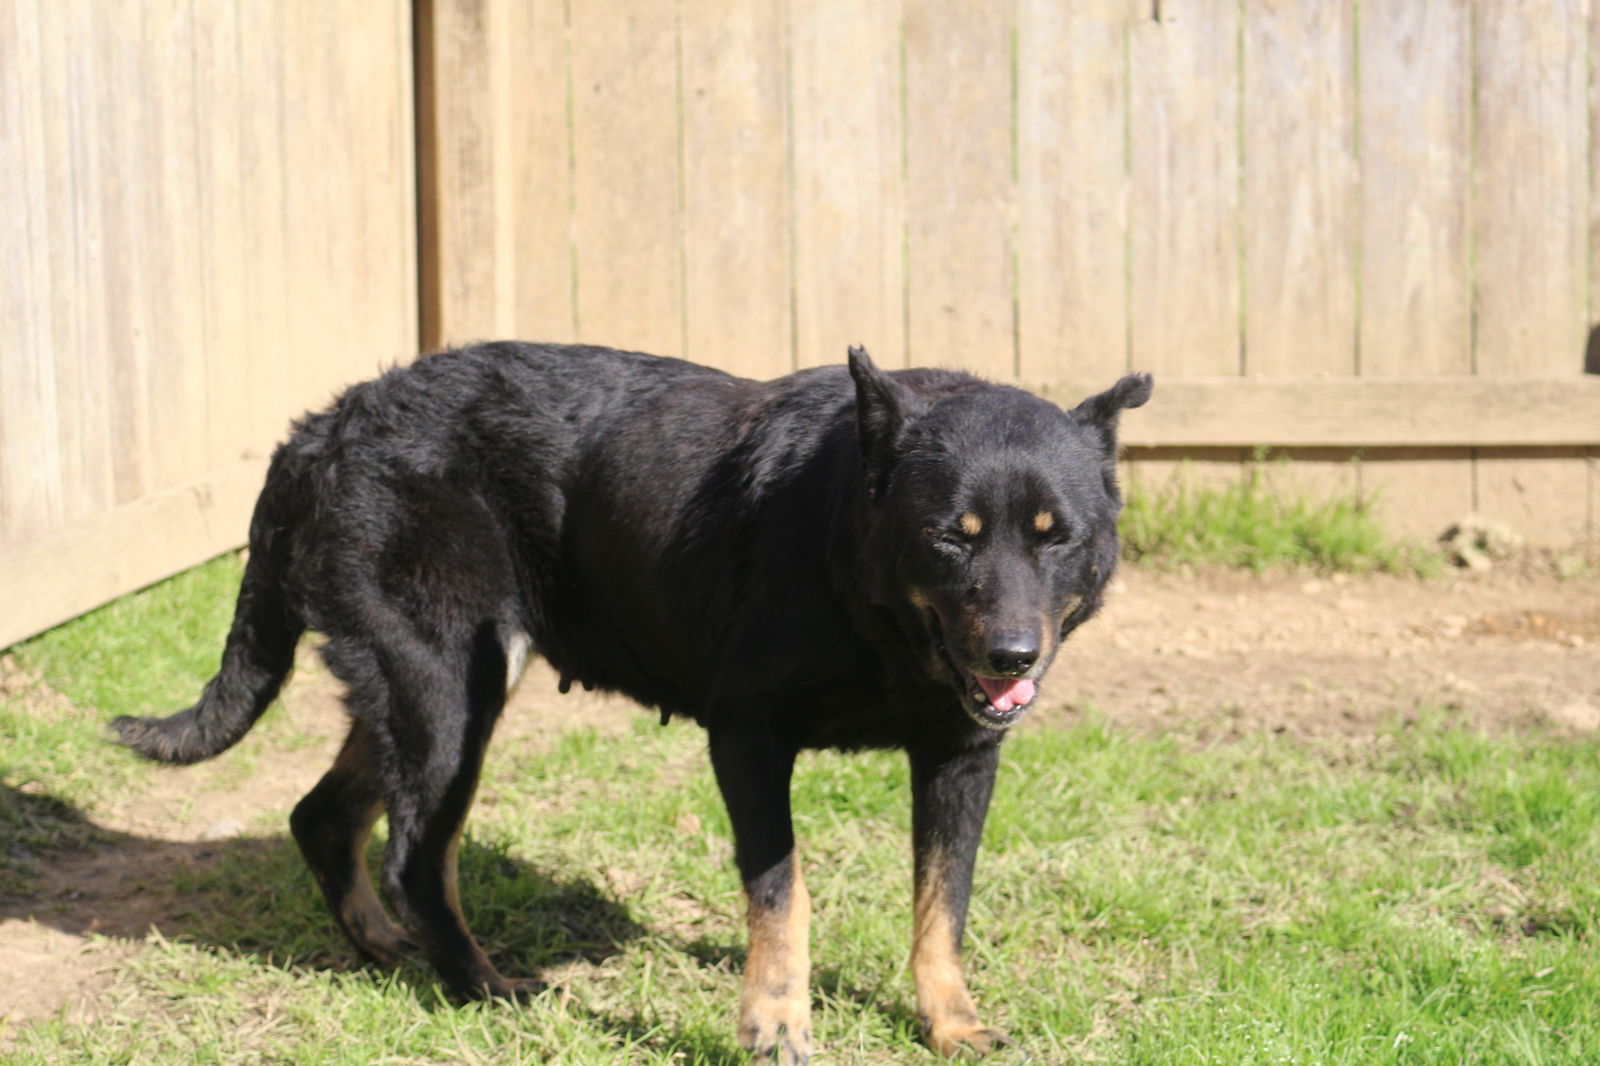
[[1230, 653], [1211, 654]]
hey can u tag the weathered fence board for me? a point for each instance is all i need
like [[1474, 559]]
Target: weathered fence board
[[1072, 254], [1300, 201], [1184, 174], [736, 186], [209, 222], [960, 298], [849, 217], [1416, 139], [627, 185]]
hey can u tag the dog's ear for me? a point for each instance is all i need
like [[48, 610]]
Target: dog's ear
[[883, 408], [1103, 410]]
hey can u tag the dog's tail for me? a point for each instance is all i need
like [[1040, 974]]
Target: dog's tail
[[260, 648]]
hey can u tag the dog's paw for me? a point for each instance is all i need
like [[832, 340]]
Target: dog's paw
[[965, 1039], [515, 989], [778, 1031]]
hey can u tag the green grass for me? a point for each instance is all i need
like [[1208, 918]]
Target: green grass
[[1250, 526], [1427, 896]]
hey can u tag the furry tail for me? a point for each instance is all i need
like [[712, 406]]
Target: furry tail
[[260, 648]]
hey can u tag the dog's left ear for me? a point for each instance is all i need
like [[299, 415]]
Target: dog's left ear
[[884, 408], [1103, 410]]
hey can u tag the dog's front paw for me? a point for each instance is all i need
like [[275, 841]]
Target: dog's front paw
[[777, 1031], [964, 1038]]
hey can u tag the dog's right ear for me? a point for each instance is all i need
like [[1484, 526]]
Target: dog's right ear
[[883, 408]]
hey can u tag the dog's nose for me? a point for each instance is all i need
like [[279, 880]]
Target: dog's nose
[[1014, 651]]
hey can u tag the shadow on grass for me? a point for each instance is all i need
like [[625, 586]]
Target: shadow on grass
[[254, 896]]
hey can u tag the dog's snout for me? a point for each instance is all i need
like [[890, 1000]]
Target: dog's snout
[[1014, 651]]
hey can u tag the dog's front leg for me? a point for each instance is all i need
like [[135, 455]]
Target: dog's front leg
[[753, 773], [950, 797]]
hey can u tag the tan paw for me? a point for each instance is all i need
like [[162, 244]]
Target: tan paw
[[965, 1038], [777, 1031]]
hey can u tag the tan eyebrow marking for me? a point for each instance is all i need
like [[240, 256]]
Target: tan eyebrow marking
[[1044, 521], [971, 524]]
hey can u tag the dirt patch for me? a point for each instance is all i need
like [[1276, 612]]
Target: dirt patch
[[1213, 655]]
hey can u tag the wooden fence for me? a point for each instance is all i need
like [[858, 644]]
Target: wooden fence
[[1329, 228], [207, 223]]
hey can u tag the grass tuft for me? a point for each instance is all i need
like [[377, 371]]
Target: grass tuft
[[1250, 526]]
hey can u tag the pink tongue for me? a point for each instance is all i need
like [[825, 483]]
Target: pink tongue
[[1005, 693]]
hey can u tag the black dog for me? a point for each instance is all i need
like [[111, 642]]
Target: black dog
[[888, 561]]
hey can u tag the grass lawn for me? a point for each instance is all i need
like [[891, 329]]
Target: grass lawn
[[1422, 895]]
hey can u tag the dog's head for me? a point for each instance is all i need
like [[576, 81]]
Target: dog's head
[[992, 528]]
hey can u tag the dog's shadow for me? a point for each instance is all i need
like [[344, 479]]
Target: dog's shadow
[[252, 897]]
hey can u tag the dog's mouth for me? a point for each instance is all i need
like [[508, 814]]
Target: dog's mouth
[[992, 702]]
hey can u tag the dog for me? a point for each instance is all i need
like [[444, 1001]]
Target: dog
[[840, 558]]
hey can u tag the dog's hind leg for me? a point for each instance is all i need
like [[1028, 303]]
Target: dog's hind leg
[[332, 825], [753, 771], [439, 739], [949, 799]]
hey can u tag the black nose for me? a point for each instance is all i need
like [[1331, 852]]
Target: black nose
[[1014, 651]]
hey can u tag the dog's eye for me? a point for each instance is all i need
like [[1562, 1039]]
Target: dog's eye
[[952, 540], [1050, 530]]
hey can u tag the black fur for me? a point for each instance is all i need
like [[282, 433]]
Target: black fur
[[832, 559]]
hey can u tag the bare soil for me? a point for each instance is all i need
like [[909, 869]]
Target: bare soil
[[1212, 655]]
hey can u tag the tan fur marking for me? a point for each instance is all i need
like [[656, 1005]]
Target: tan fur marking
[[971, 524], [942, 997], [949, 1020], [776, 1003], [1044, 521]]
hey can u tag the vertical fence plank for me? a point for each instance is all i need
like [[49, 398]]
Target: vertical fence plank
[[736, 186], [220, 211], [849, 220], [628, 222], [1299, 189], [541, 180], [1073, 189], [1183, 213], [960, 298], [1530, 186], [262, 183], [1416, 88], [465, 147], [171, 353], [1416, 286], [1530, 214], [30, 470]]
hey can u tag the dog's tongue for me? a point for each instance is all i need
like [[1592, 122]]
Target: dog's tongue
[[1005, 693]]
